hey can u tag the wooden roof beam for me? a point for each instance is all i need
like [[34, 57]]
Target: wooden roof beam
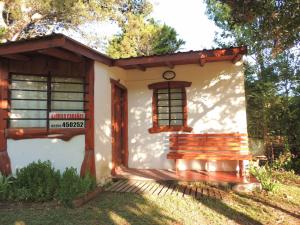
[[202, 59], [237, 58], [140, 67], [18, 57], [170, 65], [61, 54]]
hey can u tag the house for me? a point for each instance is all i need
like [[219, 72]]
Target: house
[[67, 103]]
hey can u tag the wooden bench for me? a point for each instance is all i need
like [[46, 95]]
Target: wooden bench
[[231, 146]]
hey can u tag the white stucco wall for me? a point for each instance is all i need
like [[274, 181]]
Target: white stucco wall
[[102, 107], [61, 153], [216, 104]]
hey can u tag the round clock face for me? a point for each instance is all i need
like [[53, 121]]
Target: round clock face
[[169, 75]]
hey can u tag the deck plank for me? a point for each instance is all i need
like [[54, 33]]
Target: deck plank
[[118, 186], [115, 184], [164, 189]]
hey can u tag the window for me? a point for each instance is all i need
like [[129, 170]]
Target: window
[[33, 99], [169, 106]]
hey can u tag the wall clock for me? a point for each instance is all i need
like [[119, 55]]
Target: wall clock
[[169, 75]]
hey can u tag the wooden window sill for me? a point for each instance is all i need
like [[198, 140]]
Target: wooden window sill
[[30, 133], [169, 129]]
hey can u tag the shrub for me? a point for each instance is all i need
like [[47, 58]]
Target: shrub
[[72, 186], [36, 182], [5, 186], [265, 177], [283, 162]]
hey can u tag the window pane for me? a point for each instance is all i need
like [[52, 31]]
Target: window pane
[[175, 90], [22, 104], [163, 103], [176, 116], [176, 96], [163, 122], [163, 116], [165, 90], [28, 77], [176, 109], [28, 123], [28, 95], [163, 96], [163, 109], [176, 103], [177, 122], [60, 105], [67, 96]]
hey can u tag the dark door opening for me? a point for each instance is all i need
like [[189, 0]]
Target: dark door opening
[[119, 126]]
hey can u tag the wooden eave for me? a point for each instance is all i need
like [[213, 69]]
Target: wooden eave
[[194, 57], [64, 48], [52, 44]]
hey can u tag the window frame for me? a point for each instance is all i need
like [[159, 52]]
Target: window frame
[[65, 134], [156, 128]]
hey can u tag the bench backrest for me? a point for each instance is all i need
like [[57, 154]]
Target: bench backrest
[[209, 142]]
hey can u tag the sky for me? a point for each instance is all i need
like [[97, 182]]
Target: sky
[[189, 20]]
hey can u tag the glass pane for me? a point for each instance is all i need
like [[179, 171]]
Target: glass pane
[[176, 116], [176, 96], [163, 109], [28, 95], [176, 122], [28, 104], [26, 77], [177, 109], [66, 105], [67, 79], [28, 114], [67, 87], [175, 90], [67, 96], [163, 122], [163, 103], [163, 116], [28, 123], [176, 102], [163, 96], [165, 90], [28, 85]]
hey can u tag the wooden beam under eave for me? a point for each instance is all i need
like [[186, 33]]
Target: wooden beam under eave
[[237, 58], [170, 65], [140, 67], [202, 59], [18, 57], [61, 54]]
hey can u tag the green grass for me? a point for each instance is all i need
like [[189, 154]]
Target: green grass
[[126, 208]]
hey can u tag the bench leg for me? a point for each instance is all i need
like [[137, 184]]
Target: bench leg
[[176, 167], [241, 168]]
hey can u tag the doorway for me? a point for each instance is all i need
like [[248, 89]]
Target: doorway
[[119, 120]]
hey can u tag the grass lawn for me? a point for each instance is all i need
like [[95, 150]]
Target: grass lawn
[[282, 207]]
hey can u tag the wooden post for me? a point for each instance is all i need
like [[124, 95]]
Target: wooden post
[[88, 164], [241, 168], [5, 167]]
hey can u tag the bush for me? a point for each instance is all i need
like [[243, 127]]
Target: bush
[[36, 182], [265, 177], [72, 186], [5, 186], [283, 162]]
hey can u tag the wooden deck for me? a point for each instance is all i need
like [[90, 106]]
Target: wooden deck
[[164, 188], [189, 176]]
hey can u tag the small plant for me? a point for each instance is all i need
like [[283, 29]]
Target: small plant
[[72, 186], [265, 177], [5, 186], [283, 162], [36, 182]]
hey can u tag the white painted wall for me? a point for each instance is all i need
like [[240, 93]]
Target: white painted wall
[[102, 107], [61, 153], [216, 104]]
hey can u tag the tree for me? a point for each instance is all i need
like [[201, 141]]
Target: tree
[[272, 71], [27, 18], [278, 20], [140, 37]]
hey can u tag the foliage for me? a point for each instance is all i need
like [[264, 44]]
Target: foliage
[[140, 37], [29, 18], [5, 185], [72, 185], [265, 177], [272, 80], [277, 20], [36, 182]]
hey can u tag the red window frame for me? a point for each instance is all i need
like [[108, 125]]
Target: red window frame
[[156, 128]]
